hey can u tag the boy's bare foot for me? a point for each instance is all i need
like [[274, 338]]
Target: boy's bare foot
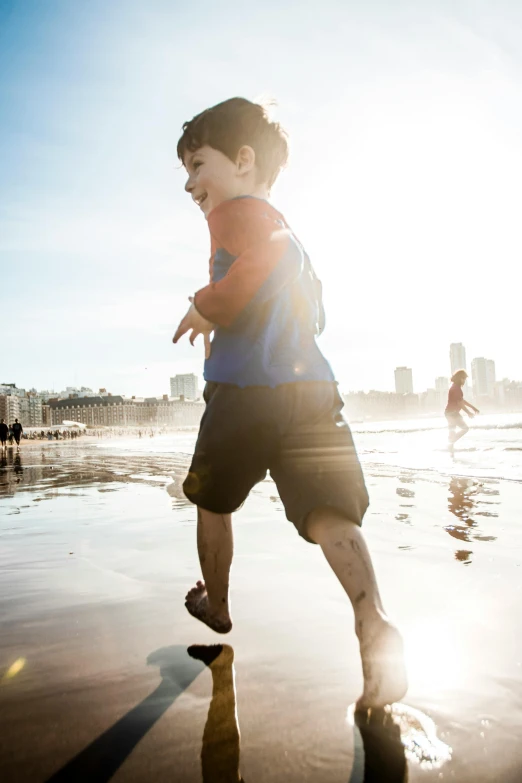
[[197, 605], [384, 670]]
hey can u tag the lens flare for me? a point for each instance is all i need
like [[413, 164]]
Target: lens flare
[[14, 669]]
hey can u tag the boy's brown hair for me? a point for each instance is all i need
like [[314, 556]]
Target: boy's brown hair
[[230, 125]]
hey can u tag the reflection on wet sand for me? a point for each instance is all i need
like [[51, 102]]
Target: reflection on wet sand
[[17, 464], [50, 469], [384, 740], [220, 746], [465, 495], [472, 501], [382, 752], [11, 460], [378, 751]]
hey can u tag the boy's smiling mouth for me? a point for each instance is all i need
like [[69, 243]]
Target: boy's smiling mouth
[[200, 199]]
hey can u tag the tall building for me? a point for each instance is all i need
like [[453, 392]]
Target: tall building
[[49, 394], [31, 410], [83, 391], [186, 385], [457, 357], [441, 385], [9, 407], [403, 380], [491, 375], [11, 388], [441, 390], [483, 377]]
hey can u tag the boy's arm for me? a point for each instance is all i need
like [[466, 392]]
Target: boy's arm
[[267, 259], [194, 323]]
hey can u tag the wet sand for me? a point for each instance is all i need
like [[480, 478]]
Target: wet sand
[[99, 679]]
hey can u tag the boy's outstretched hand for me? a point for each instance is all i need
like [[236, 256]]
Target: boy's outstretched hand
[[194, 323]]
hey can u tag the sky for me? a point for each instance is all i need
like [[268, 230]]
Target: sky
[[405, 124]]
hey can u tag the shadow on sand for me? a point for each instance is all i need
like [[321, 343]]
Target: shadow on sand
[[100, 760], [379, 754]]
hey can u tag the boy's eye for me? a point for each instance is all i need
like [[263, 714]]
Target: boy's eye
[[196, 164]]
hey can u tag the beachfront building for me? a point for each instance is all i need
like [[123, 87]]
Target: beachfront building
[[380, 405], [31, 410], [49, 394], [457, 357], [117, 411], [483, 377], [501, 390], [79, 391], [403, 380], [11, 388], [442, 385], [185, 386], [511, 395], [109, 411], [441, 391], [166, 412], [156, 411], [187, 413], [46, 414], [9, 407]]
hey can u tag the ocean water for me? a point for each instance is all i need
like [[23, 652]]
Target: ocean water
[[491, 449]]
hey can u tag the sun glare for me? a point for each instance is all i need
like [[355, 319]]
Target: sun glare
[[433, 656]]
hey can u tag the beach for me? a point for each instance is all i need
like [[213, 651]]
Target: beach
[[105, 676]]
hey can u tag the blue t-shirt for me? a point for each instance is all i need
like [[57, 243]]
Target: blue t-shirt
[[264, 299]]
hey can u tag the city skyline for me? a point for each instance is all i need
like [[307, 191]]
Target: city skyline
[[482, 374], [391, 385], [105, 408], [411, 222]]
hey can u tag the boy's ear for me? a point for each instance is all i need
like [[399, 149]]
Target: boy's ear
[[246, 159]]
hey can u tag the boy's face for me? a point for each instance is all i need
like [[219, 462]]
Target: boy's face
[[213, 178]]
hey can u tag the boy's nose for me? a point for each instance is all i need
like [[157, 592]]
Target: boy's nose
[[189, 185]]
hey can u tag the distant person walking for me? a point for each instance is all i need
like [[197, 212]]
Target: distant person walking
[[17, 432], [4, 429], [456, 404]]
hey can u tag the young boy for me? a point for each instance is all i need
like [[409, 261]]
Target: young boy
[[271, 397]]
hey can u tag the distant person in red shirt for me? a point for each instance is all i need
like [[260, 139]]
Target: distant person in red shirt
[[456, 404]]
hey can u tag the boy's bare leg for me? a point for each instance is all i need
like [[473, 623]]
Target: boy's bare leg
[[208, 600], [380, 642]]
